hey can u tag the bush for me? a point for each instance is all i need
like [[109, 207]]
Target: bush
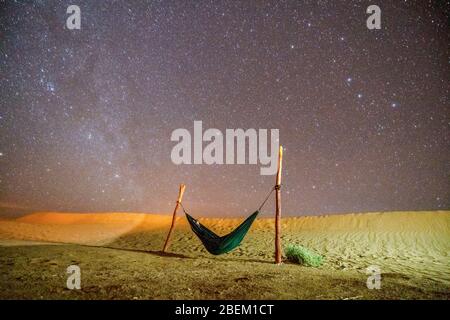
[[303, 256]]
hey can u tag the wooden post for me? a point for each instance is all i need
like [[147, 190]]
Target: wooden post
[[180, 197], [278, 209]]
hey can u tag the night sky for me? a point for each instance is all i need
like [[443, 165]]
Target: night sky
[[86, 115]]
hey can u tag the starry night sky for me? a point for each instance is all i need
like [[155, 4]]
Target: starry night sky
[[86, 115]]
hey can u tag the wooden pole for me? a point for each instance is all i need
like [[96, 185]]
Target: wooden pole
[[278, 209], [180, 197]]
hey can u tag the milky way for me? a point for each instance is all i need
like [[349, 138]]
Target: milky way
[[86, 115]]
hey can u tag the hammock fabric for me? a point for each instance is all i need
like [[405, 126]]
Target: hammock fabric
[[216, 244]]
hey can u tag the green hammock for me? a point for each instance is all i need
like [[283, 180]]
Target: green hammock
[[216, 244]]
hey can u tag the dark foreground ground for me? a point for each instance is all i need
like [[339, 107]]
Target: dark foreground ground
[[38, 271]]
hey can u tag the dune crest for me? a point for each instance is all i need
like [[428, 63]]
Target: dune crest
[[93, 218]]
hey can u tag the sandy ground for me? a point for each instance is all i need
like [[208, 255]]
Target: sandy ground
[[119, 256]]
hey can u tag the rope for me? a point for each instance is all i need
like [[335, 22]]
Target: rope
[[182, 207], [276, 187]]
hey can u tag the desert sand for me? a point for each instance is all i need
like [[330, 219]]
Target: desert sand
[[119, 256]]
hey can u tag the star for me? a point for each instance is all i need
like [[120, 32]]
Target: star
[[100, 115], [50, 87]]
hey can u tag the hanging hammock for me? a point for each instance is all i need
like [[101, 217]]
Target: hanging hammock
[[216, 244]]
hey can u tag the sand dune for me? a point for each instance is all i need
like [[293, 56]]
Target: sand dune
[[412, 245], [93, 218]]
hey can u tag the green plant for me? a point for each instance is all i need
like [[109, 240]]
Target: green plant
[[303, 256]]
